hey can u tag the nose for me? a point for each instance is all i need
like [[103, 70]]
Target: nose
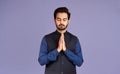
[[61, 22]]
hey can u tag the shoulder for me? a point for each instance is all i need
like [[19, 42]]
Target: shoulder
[[72, 35], [49, 35]]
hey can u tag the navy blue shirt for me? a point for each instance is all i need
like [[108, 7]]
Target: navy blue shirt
[[45, 57]]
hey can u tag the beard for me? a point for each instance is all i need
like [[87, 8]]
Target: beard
[[61, 27]]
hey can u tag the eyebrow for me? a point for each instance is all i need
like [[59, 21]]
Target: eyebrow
[[60, 18]]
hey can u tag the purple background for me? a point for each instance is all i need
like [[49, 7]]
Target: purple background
[[23, 23]]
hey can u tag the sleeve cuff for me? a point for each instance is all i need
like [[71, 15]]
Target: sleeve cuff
[[53, 55], [67, 51]]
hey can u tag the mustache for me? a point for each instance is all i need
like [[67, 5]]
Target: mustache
[[61, 25]]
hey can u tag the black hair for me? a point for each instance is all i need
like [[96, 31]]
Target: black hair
[[62, 10]]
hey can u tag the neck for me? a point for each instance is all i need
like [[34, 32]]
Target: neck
[[61, 31]]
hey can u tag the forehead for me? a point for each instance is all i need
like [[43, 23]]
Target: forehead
[[61, 15]]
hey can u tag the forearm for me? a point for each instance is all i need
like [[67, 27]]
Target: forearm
[[45, 58], [77, 58]]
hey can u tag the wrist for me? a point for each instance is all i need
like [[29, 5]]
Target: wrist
[[58, 50], [64, 49]]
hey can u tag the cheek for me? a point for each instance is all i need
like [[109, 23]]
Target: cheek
[[57, 23], [66, 23]]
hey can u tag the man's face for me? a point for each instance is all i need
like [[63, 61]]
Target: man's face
[[61, 21]]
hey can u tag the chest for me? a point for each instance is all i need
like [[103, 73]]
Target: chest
[[52, 42]]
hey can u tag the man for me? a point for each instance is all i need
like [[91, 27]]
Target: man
[[60, 51]]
